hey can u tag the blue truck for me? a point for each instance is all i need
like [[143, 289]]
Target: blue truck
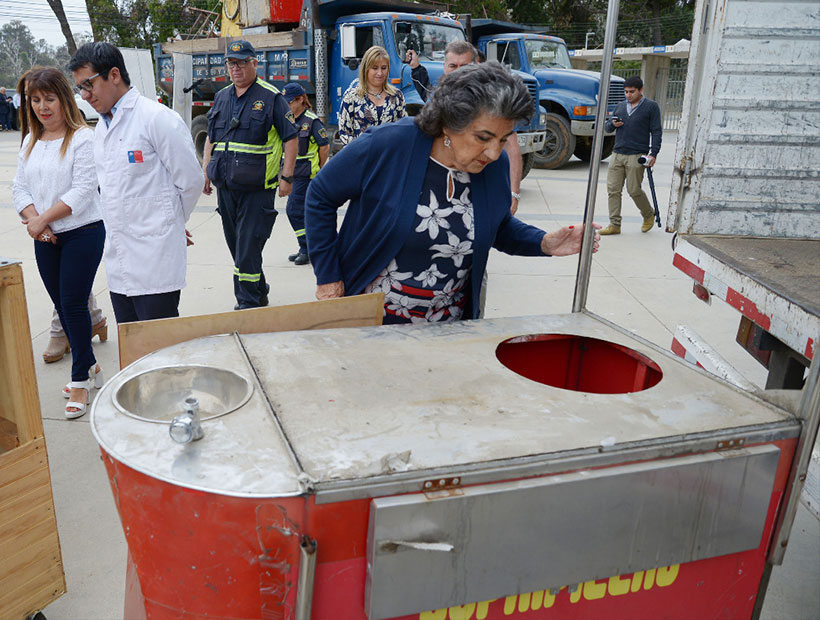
[[568, 95], [323, 51]]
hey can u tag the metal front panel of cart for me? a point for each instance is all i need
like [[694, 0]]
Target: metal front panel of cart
[[430, 551]]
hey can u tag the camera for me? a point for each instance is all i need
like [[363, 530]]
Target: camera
[[643, 161], [616, 118]]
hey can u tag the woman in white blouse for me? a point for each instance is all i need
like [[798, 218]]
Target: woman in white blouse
[[55, 192]]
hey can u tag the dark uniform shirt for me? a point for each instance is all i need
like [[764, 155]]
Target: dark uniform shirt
[[248, 151], [311, 135]]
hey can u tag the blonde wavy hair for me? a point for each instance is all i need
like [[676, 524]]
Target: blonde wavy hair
[[370, 58]]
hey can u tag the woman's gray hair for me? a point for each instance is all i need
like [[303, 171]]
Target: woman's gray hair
[[461, 96]]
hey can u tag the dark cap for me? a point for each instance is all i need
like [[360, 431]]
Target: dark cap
[[240, 49], [292, 91]]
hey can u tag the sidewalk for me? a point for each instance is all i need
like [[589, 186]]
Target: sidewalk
[[633, 284]]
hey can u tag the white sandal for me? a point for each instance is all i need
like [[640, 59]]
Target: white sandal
[[79, 408], [95, 379]]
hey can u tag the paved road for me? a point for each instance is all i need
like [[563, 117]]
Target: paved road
[[633, 284]]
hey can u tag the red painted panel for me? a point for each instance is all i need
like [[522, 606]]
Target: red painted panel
[[198, 554], [748, 308], [689, 268]]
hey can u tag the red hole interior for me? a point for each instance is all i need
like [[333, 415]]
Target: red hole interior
[[579, 363]]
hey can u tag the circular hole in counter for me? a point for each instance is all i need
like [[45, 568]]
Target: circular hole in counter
[[579, 363]]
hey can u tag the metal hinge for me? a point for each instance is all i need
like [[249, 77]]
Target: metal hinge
[[730, 444]]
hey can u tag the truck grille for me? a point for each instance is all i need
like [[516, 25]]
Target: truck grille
[[532, 86], [616, 93]]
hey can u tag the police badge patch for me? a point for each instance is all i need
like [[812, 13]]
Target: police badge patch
[[323, 133], [305, 126], [290, 117], [258, 105], [235, 47]]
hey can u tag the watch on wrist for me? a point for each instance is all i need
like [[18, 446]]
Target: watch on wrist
[[516, 196], [286, 179]]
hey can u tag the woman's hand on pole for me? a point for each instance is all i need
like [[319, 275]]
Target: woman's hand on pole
[[330, 290], [567, 240]]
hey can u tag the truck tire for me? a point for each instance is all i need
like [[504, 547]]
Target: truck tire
[[199, 132], [528, 161], [559, 145], [583, 148]]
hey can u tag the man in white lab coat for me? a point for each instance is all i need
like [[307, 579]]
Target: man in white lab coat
[[150, 180]]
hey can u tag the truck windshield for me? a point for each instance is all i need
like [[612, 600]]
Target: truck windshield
[[427, 39], [547, 54]]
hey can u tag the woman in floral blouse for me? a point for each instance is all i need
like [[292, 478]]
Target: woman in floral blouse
[[428, 199], [374, 101]]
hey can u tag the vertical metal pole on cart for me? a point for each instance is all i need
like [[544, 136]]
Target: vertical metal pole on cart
[[585, 259]]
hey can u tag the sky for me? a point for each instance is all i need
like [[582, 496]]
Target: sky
[[40, 19]]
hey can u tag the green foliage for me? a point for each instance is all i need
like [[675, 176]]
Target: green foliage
[[141, 23], [19, 51], [480, 9]]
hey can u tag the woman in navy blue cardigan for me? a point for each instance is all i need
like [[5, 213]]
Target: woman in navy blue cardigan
[[428, 199]]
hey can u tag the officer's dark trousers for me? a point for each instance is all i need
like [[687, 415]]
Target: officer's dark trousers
[[296, 211], [247, 221]]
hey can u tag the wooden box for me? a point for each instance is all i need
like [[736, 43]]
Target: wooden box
[[31, 566]]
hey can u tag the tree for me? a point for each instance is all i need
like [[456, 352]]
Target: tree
[[19, 52], [57, 7], [141, 23]]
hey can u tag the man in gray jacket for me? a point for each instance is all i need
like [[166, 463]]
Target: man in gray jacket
[[636, 121]]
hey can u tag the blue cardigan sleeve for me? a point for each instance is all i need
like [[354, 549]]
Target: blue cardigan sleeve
[[328, 191]]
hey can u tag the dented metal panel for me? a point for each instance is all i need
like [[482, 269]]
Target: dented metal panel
[[750, 136], [430, 551]]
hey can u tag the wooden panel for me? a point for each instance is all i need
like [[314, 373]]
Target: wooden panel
[[18, 383], [39, 594], [31, 570], [29, 491], [35, 553], [8, 435], [27, 534], [217, 44], [20, 462], [143, 337], [32, 587]]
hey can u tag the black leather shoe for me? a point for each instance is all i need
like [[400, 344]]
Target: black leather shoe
[[301, 258], [292, 257]]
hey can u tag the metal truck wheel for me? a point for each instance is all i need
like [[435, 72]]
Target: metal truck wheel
[[559, 145], [583, 148], [528, 160], [199, 132]]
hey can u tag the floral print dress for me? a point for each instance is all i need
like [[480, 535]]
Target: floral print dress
[[357, 113], [428, 279]]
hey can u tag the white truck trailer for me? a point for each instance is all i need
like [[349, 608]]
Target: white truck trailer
[[745, 199]]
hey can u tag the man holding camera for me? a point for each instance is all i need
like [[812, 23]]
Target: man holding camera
[[638, 130], [249, 127]]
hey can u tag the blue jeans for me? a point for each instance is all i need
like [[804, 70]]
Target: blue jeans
[[68, 269]]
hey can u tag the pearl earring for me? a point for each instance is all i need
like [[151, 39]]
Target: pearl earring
[[447, 141]]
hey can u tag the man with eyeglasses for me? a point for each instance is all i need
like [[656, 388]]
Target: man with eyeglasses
[[249, 127], [149, 179]]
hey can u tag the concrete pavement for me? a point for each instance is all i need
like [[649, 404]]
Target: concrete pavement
[[633, 284]]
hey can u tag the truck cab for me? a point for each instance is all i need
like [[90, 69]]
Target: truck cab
[[428, 35], [568, 95]]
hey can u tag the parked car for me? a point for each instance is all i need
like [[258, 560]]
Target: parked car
[[89, 113]]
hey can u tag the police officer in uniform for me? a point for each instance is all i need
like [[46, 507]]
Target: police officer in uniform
[[312, 155], [249, 127]]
